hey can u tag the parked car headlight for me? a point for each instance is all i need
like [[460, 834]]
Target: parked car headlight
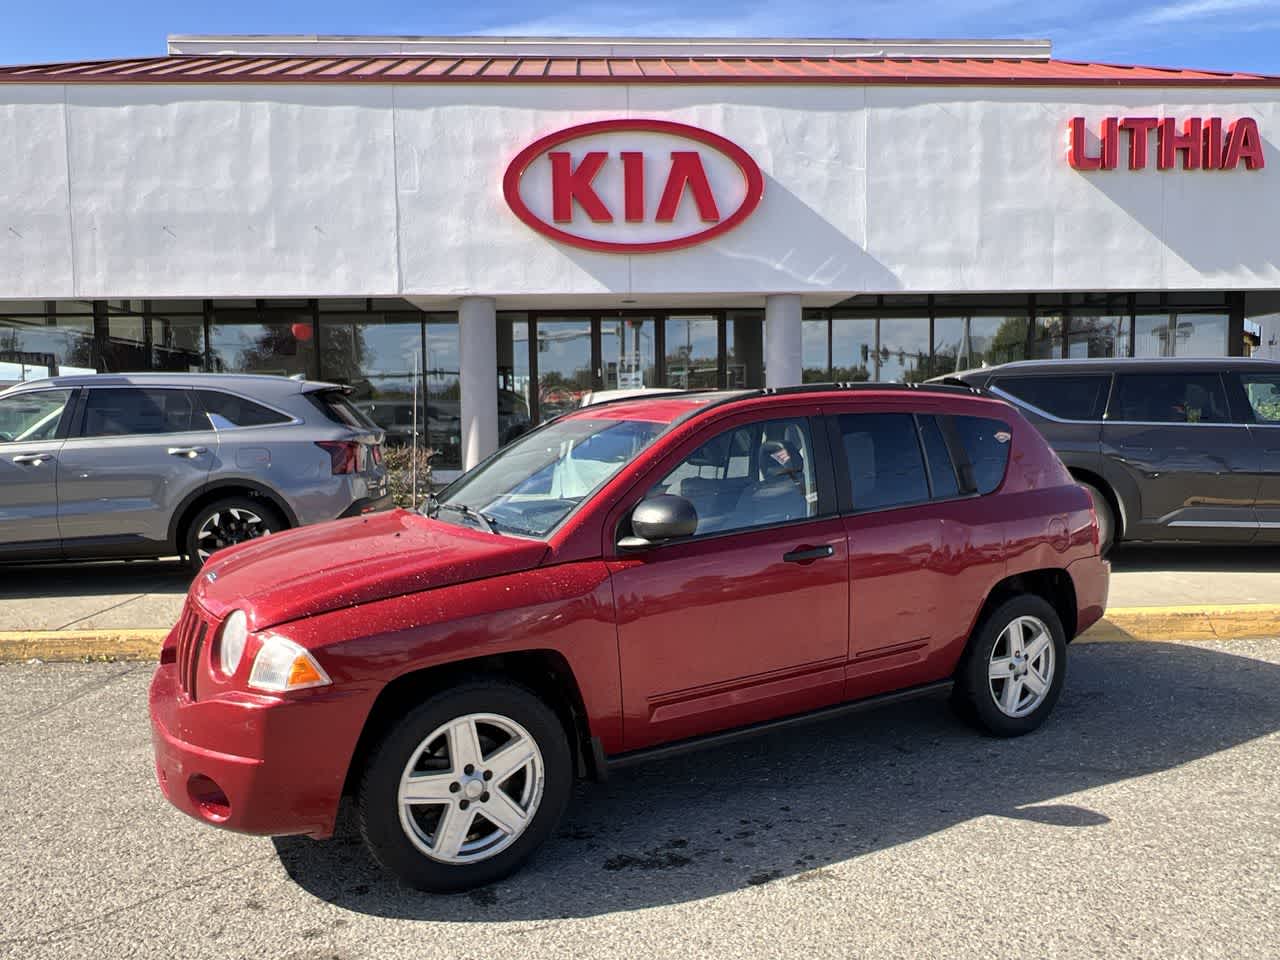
[[283, 665], [231, 642]]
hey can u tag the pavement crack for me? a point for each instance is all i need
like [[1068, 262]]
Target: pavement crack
[[66, 931], [83, 691], [98, 613]]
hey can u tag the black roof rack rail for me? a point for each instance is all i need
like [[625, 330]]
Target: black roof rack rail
[[871, 385]]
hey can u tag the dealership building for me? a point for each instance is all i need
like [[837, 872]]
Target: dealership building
[[494, 226]]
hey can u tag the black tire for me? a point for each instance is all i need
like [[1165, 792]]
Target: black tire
[[268, 517], [1106, 518], [378, 798], [974, 697]]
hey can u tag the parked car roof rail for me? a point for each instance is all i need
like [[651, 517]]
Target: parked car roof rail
[[855, 385]]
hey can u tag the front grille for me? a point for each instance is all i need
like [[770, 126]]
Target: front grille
[[192, 631]]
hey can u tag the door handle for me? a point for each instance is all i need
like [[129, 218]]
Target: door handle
[[808, 554], [188, 452], [33, 458]]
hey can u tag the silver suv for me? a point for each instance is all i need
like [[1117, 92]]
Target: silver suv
[[148, 465]]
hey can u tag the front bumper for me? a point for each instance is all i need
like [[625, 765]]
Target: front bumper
[[254, 764]]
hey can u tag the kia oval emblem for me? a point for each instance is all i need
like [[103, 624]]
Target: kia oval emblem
[[633, 186]]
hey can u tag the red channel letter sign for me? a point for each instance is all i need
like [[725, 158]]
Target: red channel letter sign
[[624, 217], [1201, 143]]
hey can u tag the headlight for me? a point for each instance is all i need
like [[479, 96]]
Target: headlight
[[283, 665], [231, 642]]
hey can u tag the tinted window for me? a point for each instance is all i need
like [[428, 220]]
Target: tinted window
[[1071, 398], [886, 467], [227, 410], [32, 416], [749, 476], [1169, 398], [338, 409], [942, 472], [1263, 392], [138, 410], [986, 443]]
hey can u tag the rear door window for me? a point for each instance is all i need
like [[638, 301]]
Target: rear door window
[[1169, 398], [1263, 394], [986, 444], [226, 410], [130, 411], [884, 462], [1065, 397]]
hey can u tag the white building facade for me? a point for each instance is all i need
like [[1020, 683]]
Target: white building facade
[[513, 222]]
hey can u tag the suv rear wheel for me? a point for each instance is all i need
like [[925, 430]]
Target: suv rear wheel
[[226, 522], [1013, 670], [465, 787]]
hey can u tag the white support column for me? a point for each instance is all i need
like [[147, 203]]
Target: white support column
[[783, 346], [478, 379]]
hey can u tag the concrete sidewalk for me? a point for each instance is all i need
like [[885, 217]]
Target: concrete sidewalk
[[122, 610]]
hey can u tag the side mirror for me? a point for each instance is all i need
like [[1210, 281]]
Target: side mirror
[[664, 517]]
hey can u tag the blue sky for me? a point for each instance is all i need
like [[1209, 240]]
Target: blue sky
[[1211, 34]]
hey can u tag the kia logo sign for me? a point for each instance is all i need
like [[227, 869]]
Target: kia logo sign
[[633, 186]]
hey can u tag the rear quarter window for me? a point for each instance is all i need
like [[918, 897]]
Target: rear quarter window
[[1066, 397], [228, 410], [338, 409], [986, 443]]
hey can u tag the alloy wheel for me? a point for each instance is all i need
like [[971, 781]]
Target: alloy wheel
[[471, 788], [1020, 671], [227, 527]]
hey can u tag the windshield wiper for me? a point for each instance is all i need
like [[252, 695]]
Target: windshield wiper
[[485, 522]]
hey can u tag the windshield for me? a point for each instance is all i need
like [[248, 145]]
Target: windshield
[[533, 484]]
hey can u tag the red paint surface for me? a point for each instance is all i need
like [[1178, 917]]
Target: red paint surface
[[570, 185], [384, 68], [680, 641]]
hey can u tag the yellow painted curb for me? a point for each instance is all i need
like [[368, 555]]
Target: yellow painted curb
[[1239, 621], [80, 644]]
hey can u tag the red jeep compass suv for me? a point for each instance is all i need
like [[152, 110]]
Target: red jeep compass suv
[[621, 582]]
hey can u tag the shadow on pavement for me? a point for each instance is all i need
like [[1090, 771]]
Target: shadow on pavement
[[94, 579], [786, 805], [1154, 558]]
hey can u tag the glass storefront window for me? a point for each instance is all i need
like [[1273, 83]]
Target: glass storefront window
[[693, 348], [282, 344], [377, 355], [1098, 336], [853, 348], [564, 365], [815, 364], [1200, 334], [967, 343], [515, 385], [177, 342], [904, 350], [35, 346], [1151, 336], [744, 349], [628, 353], [1046, 339], [444, 391]]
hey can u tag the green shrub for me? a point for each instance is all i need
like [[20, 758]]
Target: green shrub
[[399, 463]]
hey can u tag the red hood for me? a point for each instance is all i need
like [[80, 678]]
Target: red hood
[[346, 562]]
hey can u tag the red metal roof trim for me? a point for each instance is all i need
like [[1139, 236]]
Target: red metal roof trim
[[385, 68]]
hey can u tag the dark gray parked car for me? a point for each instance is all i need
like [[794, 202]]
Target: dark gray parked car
[[1170, 449], [145, 465]]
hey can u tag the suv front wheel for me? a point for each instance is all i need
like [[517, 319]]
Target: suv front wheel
[[1013, 671], [465, 787]]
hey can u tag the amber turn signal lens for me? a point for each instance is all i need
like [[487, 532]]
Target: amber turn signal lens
[[303, 674]]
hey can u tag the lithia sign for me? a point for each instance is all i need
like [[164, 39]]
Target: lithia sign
[[1195, 143]]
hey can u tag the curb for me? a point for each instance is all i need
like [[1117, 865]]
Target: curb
[[65, 645], [1243, 621]]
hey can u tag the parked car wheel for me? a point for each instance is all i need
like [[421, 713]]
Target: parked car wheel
[[1013, 671], [226, 522], [1106, 517], [465, 787]]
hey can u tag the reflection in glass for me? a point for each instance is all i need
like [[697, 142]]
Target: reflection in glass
[[692, 353], [443, 392], [1200, 334], [853, 348], [813, 346], [1098, 336], [375, 355], [1046, 337], [38, 346], [515, 385], [744, 349], [628, 353], [564, 365], [904, 350], [282, 344], [967, 343], [177, 342]]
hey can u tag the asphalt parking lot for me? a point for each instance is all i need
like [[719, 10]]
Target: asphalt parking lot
[[1141, 821]]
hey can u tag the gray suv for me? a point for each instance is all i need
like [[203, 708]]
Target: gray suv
[[1170, 449], [147, 465]]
